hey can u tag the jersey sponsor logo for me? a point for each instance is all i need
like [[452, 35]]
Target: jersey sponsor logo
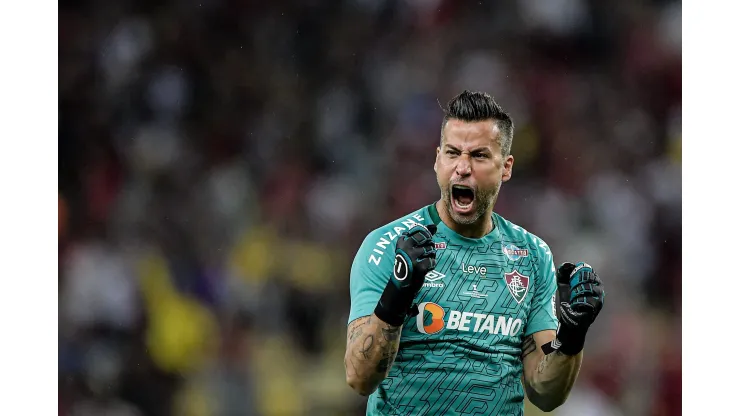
[[465, 321], [432, 279], [480, 270], [438, 315], [401, 268], [388, 237], [515, 253], [518, 285]]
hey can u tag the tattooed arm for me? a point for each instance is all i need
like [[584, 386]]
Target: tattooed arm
[[547, 379], [372, 346]]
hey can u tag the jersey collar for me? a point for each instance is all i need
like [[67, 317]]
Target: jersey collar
[[486, 239]]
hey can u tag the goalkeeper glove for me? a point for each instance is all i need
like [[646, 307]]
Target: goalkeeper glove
[[579, 299], [415, 257]]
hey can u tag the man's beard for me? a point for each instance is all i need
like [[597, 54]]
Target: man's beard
[[483, 200]]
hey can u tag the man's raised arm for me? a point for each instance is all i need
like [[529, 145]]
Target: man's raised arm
[[548, 379], [552, 360], [372, 346], [372, 340]]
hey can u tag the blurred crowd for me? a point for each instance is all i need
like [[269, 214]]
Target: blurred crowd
[[220, 162]]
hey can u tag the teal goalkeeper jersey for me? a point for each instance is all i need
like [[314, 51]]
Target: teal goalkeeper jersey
[[461, 354]]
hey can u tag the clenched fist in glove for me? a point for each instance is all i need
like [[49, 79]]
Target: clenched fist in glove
[[579, 299], [415, 257]]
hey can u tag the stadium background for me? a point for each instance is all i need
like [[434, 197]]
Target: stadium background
[[220, 162]]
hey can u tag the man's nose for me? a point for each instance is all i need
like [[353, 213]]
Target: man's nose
[[463, 168]]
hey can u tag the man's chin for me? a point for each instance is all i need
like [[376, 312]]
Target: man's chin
[[464, 217]]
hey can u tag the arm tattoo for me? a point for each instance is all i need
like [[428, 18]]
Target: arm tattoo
[[390, 333], [372, 347], [354, 334], [386, 361], [367, 346], [356, 329]]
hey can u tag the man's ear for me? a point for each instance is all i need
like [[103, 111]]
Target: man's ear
[[436, 159], [508, 167]]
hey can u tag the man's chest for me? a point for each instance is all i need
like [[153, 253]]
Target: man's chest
[[476, 289]]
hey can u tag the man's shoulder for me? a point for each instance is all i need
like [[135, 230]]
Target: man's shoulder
[[517, 235], [381, 241], [403, 223]]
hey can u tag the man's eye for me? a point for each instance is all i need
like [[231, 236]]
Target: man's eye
[[480, 156]]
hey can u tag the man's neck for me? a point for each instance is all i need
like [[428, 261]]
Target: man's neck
[[478, 229]]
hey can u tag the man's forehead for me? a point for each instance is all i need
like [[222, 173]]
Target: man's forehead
[[471, 133]]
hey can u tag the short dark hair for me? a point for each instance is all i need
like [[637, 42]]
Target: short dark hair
[[479, 106]]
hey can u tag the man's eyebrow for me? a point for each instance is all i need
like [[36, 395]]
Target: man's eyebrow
[[476, 150], [480, 150]]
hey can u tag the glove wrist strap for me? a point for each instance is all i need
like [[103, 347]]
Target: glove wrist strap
[[568, 341], [394, 305]]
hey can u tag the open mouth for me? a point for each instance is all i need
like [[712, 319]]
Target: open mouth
[[462, 197]]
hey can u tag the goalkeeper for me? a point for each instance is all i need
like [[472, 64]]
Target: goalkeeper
[[454, 309]]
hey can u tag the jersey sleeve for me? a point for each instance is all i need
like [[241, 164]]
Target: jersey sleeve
[[369, 276], [542, 314]]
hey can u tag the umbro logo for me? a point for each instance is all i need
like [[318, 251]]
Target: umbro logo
[[433, 276], [432, 279]]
